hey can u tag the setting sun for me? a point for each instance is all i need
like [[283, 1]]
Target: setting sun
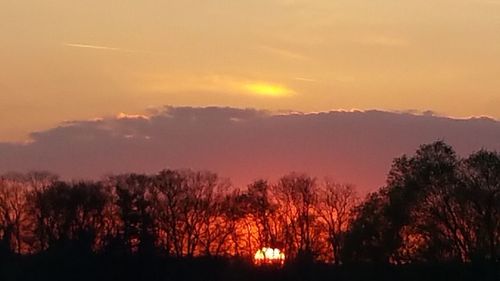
[[271, 256]]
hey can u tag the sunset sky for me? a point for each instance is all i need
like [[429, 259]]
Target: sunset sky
[[78, 60]]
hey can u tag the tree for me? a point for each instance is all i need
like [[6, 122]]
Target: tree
[[417, 216], [435, 215], [16, 219], [170, 192], [296, 195], [366, 239], [13, 215], [335, 209], [69, 216], [481, 189], [133, 199], [263, 211], [190, 212]]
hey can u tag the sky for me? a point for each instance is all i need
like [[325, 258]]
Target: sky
[[64, 60]]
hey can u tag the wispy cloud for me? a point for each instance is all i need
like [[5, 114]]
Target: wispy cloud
[[95, 47], [106, 48], [305, 79]]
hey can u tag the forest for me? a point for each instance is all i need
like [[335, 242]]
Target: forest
[[437, 216]]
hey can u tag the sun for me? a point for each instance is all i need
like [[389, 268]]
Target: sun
[[265, 89], [269, 256]]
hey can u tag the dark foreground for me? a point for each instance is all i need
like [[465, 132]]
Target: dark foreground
[[45, 267]]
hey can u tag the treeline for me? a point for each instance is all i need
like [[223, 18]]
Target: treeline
[[435, 208]]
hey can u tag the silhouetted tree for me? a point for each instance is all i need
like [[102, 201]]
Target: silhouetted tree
[[297, 195], [16, 220], [263, 211], [335, 209], [480, 174], [13, 215], [433, 209], [69, 216], [134, 204], [366, 240], [189, 212], [170, 192]]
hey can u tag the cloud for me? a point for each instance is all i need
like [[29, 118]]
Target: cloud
[[243, 144], [122, 115]]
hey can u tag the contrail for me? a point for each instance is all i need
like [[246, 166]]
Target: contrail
[[107, 48], [305, 79], [76, 45]]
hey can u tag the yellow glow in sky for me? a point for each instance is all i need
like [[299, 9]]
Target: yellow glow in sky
[[265, 89]]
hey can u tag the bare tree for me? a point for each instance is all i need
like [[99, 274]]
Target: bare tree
[[263, 211], [335, 209], [297, 195], [70, 215], [13, 212]]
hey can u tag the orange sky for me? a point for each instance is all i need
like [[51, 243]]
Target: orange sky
[[66, 60]]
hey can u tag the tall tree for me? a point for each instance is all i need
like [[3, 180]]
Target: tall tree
[[133, 193], [481, 194], [335, 209], [417, 215], [263, 211], [14, 218], [296, 193]]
